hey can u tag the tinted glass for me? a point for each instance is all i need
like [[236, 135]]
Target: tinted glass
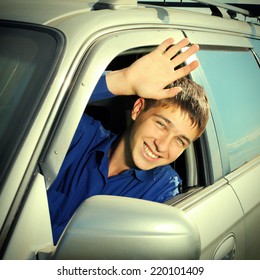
[[27, 58], [234, 77]]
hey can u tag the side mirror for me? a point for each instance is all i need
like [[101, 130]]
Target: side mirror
[[110, 227]]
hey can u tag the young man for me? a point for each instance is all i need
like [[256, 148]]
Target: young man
[[135, 163]]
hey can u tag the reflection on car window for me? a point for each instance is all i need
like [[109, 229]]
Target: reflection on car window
[[27, 56], [256, 45], [234, 80]]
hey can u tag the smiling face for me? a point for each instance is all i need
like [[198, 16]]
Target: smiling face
[[159, 135]]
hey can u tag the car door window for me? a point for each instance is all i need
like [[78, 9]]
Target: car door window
[[234, 79]]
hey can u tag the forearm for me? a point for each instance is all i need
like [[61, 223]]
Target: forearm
[[118, 84], [111, 84]]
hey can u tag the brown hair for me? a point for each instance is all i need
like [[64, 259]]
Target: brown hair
[[192, 100]]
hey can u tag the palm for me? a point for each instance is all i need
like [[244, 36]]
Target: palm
[[150, 74]]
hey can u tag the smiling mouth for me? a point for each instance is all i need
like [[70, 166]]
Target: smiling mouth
[[149, 153]]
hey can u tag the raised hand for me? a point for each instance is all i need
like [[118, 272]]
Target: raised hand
[[148, 76]]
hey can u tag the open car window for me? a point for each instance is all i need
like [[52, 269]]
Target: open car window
[[115, 115]]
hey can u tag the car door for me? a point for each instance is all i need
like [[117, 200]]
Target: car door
[[227, 211], [236, 99]]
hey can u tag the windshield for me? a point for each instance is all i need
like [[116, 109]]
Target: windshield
[[28, 55]]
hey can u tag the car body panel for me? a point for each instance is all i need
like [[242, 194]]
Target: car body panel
[[38, 235], [212, 210], [245, 182]]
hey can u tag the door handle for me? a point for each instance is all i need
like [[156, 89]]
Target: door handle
[[226, 250]]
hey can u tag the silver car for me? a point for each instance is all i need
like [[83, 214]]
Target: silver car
[[52, 54]]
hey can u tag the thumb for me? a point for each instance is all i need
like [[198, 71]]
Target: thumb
[[167, 93]]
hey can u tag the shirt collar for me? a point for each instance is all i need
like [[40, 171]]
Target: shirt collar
[[144, 175], [141, 175]]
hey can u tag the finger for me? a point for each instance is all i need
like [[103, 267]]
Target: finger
[[182, 57], [167, 93], [171, 92], [174, 49], [164, 45], [185, 70]]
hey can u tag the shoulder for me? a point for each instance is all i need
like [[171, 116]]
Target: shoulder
[[165, 184], [88, 124], [89, 130], [167, 174]]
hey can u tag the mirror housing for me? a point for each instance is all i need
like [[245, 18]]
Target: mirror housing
[[110, 227]]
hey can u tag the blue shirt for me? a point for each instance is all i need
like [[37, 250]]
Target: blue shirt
[[84, 173]]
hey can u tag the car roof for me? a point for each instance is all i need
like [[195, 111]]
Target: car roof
[[80, 13], [41, 11]]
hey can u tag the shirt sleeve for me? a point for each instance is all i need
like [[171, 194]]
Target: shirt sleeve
[[101, 90]]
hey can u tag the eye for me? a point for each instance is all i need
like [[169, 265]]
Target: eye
[[180, 142], [161, 125]]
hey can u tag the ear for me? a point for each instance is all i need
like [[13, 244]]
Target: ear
[[137, 108]]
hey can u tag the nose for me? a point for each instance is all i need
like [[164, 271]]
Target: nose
[[162, 144]]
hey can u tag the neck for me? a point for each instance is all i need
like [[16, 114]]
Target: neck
[[118, 157]]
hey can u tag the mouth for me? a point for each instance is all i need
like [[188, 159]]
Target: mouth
[[148, 153]]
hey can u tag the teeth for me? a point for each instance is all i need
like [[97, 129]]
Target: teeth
[[149, 152]]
